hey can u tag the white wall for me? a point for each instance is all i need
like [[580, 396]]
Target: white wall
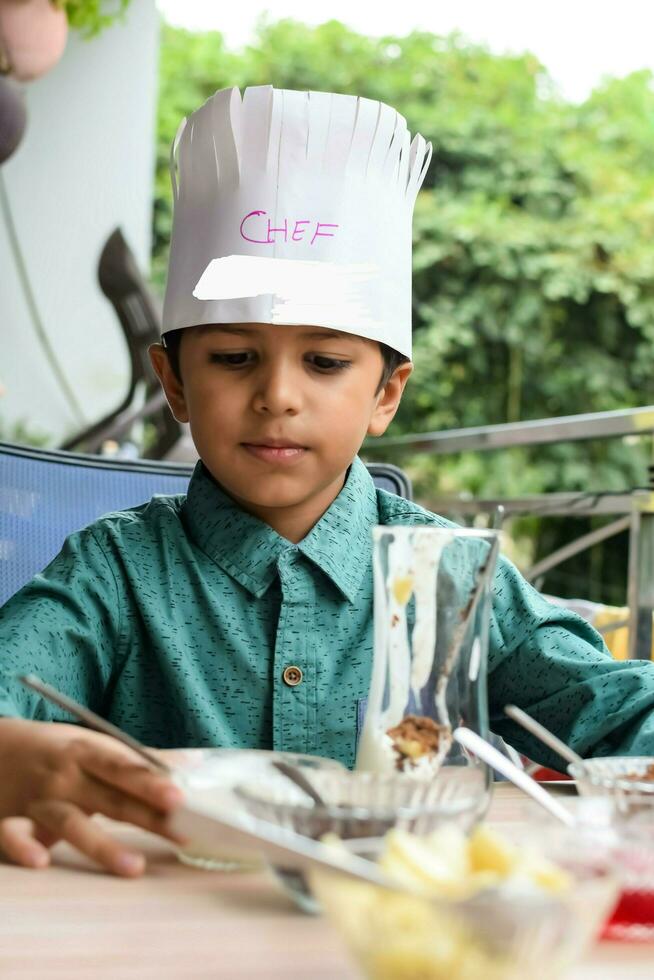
[[86, 164]]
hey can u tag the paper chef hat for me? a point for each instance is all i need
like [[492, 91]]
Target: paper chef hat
[[294, 208]]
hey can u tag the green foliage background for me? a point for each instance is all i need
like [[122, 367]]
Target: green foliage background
[[90, 17], [533, 250]]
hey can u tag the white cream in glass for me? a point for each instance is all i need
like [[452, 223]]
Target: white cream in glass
[[432, 598]]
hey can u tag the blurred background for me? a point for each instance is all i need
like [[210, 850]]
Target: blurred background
[[533, 239]]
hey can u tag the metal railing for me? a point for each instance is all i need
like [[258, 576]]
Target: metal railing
[[633, 510]]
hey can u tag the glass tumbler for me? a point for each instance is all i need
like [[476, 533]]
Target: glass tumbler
[[432, 596]]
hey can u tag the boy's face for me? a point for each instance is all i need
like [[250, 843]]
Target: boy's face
[[277, 412]]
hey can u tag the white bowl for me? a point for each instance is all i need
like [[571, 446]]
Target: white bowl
[[208, 778]]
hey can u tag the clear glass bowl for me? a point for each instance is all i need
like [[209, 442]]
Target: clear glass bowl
[[617, 777], [626, 836], [365, 804], [209, 777], [633, 917], [497, 934], [362, 805], [627, 809]]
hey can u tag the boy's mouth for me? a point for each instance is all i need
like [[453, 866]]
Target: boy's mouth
[[276, 450]]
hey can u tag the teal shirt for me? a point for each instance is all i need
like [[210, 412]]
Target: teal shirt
[[176, 620]]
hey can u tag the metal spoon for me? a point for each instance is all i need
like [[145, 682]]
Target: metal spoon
[[295, 775], [542, 734], [91, 719], [461, 630], [489, 754]]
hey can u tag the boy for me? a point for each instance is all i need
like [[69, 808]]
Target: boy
[[241, 614]]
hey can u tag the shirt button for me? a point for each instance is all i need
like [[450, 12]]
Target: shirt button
[[292, 676]]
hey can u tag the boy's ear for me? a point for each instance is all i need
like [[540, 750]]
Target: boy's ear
[[172, 386], [388, 399]]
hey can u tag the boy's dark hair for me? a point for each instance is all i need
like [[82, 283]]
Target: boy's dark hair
[[172, 339]]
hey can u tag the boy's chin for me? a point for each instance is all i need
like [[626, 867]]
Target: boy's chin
[[279, 491], [274, 495]]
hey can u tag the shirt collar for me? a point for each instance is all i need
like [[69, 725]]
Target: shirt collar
[[340, 544]]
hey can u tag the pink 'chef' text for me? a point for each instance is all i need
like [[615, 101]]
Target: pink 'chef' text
[[256, 227]]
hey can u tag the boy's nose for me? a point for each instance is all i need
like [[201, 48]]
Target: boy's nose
[[278, 391]]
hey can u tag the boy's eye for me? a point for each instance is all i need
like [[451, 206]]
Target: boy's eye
[[323, 363], [238, 359]]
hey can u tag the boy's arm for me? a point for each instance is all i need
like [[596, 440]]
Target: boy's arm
[[554, 665], [66, 626]]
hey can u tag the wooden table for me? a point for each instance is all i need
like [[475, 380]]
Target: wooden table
[[72, 922]]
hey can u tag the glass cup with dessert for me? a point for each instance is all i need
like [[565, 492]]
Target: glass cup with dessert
[[432, 609]]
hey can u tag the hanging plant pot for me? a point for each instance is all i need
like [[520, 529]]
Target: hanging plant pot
[[32, 37]]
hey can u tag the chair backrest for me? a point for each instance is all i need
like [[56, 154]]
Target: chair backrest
[[47, 494], [139, 316]]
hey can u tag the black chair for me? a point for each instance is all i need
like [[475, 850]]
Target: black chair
[[47, 494], [139, 316]]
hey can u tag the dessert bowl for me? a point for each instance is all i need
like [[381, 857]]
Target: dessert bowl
[[497, 931], [365, 804], [628, 780], [621, 814], [362, 805], [632, 919], [208, 777]]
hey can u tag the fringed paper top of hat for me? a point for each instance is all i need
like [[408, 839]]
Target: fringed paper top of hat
[[294, 208]]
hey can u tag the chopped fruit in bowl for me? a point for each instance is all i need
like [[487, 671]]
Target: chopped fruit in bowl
[[471, 908]]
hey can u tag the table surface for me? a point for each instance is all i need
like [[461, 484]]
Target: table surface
[[74, 922]]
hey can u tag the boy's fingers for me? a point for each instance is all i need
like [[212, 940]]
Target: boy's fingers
[[19, 842], [95, 796], [131, 777], [67, 822]]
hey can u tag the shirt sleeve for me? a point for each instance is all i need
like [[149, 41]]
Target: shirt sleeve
[[553, 664], [64, 626]]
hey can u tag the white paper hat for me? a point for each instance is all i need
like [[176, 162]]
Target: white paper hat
[[294, 208]]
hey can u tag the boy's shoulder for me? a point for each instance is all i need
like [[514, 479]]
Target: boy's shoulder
[[399, 510], [152, 519]]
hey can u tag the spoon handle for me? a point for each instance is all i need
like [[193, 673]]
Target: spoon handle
[[542, 734], [91, 719], [489, 754], [295, 775]]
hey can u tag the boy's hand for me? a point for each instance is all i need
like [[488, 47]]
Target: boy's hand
[[55, 776]]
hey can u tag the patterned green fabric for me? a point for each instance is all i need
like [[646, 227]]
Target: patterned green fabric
[[176, 620]]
